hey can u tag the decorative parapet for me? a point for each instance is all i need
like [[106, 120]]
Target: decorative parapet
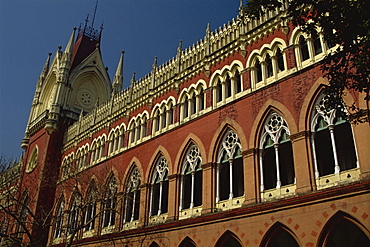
[[212, 48]]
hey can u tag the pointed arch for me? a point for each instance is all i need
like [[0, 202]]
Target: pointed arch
[[74, 207], [279, 236], [110, 201], [132, 194], [228, 239], [157, 153], [191, 138], [58, 217], [332, 139], [89, 214], [259, 120], [343, 230], [275, 153], [215, 142], [191, 177], [309, 101], [187, 242], [159, 185], [229, 166]]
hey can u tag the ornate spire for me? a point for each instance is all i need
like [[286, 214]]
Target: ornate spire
[[179, 48], [118, 77], [178, 57], [154, 69], [241, 8], [132, 86], [207, 38], [67, 55], [44, 71]]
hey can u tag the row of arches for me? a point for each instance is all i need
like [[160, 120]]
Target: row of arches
[[227, 84], [276, 170]]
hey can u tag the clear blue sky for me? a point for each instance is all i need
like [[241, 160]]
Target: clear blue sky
[[30, 29]]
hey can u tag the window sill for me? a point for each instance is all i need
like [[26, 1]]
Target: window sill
[[190, 212], [57, 240], [157, 219], [330, 180], [228, 204], [130, 225], [278, 193], [88, 234], [107, 229]]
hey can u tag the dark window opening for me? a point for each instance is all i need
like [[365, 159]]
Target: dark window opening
[[304, 48]]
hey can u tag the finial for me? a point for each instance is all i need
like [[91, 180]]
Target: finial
[[241, 8], [59, 47], [96, 6], [155, 63], [133, 79], [86, 21], [179, 49]]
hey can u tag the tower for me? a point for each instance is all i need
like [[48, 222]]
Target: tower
[[69, 85]]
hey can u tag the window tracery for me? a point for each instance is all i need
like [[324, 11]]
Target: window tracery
[[191, 179], [132, 196], [276, 154], [73, 216], [332, 139], [58, 227], [229, 170], [109, 203], [159, 188], [90, 208]]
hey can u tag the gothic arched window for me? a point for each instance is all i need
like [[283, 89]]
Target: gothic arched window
[[90, 208], [159, 188], [218, 91], [132, 196], [33, 160], [269, 67], [228, 86], [258, 71], [58, 227], [303, 48], [316, 41], [229, 171], [74, 210], [201, 100], [276, 155], [23, 214], [280, 60], [191, 179], [109, 203], [332, 139]]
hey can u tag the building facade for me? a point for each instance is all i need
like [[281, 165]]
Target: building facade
[[230, 143]]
